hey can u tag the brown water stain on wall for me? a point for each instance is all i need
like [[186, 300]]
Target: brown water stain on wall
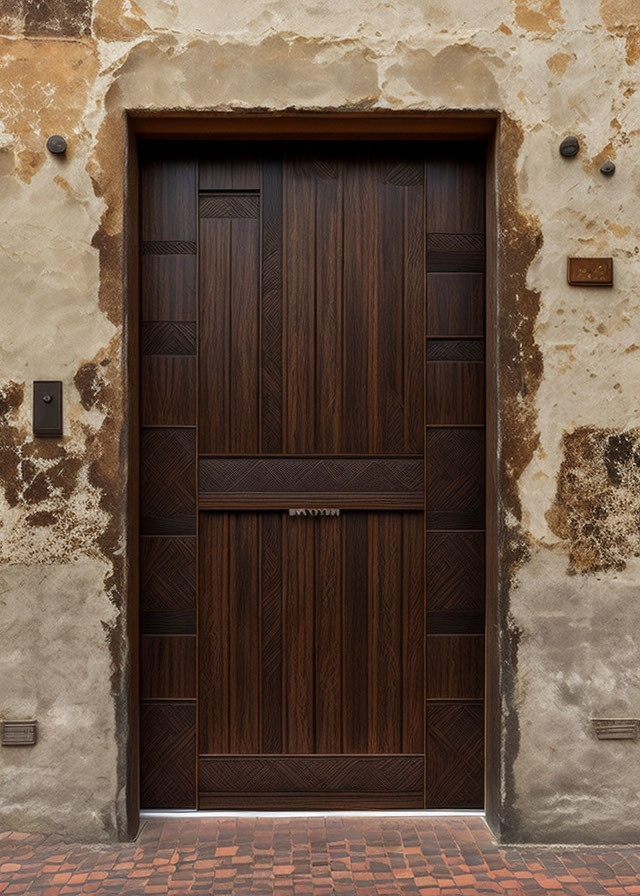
[[519, 357], [597, 503], [544, 16]]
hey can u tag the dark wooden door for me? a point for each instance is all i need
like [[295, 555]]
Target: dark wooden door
[[292, 660]]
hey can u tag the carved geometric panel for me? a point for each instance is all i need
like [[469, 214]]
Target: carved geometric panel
[[167, 755], [168, 584], [167, 479], [455, 755], [455, 478], [169, 338], [455, 572], [168, 247], [260, 774], [455, 252], [275, 482], [230, 205], [406, 174], [455, 349]]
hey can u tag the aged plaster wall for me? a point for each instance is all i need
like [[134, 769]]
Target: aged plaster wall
[[569, 375]]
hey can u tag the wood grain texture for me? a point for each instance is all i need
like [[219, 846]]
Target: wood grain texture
[[271, 307], [167, 585], [455, 187], [235, 167], [312, 316], [230, 205], [455, 350], [229, 335], [228, 482], [455, 571], [168, 206], [167, 481], [168, 288], [455, 304], [169, 338], [455, 478], [455, 392], [455, 755], [311, 801], [168, 390], [455, 666], [168, 666], [167, 755], [326, 774]]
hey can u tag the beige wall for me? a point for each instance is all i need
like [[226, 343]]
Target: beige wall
[[569, 359]]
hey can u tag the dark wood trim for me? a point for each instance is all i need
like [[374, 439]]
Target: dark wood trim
[[314, 125], [142, 126], [273, 802], [492, 621], [132, 378]]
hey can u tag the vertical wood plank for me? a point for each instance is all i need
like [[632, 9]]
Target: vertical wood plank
[[360, 255], [244, 336], [214, 336], [299, 298], [213, 633], [244, 691], [298, 626], [413, 608], [328, 640], [414, 318], [355, 642], [272, 319], [388, 349], [328, 349], [385, 633], [168, 188], [271, 621]]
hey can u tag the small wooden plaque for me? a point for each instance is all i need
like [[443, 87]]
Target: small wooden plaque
[[590, 271]]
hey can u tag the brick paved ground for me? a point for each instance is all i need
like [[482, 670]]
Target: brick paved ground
[[348, 855]]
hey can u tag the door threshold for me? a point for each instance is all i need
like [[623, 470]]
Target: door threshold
[[350, 813]]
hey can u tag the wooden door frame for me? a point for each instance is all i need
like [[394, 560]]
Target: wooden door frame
[[284, 126]]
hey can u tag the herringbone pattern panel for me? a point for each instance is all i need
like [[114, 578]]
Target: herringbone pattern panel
[[310, 474], [167, 471], [169, 338], [168, 247], [167, 755], [455, 572], [455, 755], [230, 205], [455, 478], [353, 774]]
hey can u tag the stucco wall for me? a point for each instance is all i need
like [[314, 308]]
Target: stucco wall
[[569, 359]]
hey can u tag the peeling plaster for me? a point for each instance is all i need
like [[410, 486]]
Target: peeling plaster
[[569, 378]]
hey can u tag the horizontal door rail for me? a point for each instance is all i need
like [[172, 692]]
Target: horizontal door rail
[[279, 483]]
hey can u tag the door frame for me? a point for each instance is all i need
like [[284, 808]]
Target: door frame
[[380, 126]]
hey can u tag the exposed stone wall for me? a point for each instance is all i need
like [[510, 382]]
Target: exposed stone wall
[[569, 362]]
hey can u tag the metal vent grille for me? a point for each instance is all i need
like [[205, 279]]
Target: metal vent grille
[[19, 734]]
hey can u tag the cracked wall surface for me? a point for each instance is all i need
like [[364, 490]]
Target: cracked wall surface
[[569, 374]]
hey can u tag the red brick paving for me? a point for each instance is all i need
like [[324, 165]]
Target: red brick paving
[[320, 856]]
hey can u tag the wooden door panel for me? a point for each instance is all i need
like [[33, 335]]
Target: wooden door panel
[[280, 612], [330, 355]]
